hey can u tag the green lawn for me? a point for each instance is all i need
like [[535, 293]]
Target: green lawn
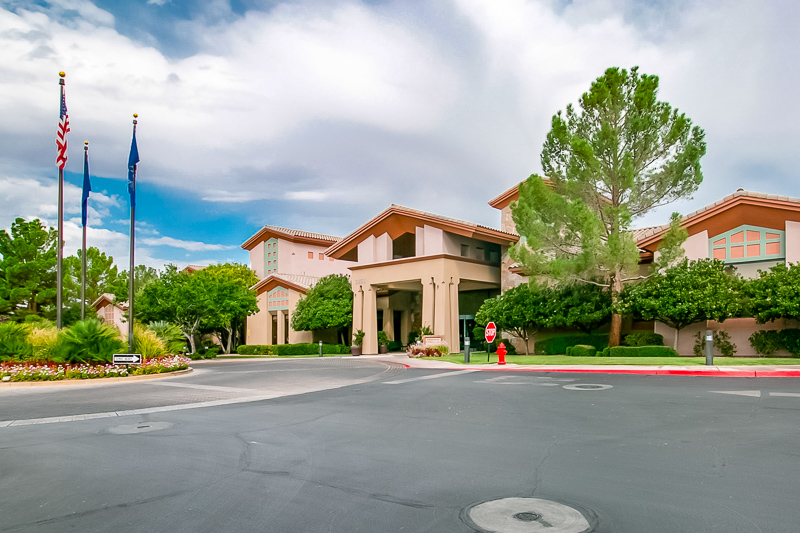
[[479, 358]]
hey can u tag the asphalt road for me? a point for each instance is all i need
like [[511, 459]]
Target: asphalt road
[[346, 445]]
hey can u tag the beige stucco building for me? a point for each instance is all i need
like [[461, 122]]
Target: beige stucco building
[[110, 312], [287, 262], [418, 269]]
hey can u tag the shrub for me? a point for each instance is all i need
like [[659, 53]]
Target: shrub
[[254, 349], [13, 342], [767, 342], [146, 342], [637, 351], [722, 342], [395, 346], [383, 338], [510, 348], [90, 341], [358, 338], [420, 350], [582, 350], [644, 338], [171, 336], [44, 343], [558, 345], [790, 341]]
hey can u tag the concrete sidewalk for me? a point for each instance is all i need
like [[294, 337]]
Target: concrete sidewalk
[[748, 371]]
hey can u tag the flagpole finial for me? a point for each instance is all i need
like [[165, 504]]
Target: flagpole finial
[[85, 146], [62, 74], [135, 116]]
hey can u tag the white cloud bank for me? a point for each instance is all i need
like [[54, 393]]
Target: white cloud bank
[[437, 108]]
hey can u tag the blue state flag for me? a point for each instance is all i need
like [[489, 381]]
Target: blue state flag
[[87, 188], [133, 159]]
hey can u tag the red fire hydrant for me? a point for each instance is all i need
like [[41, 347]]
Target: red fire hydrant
[[501, 354]]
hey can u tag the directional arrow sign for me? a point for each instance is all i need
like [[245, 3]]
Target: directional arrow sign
[[127, 359]]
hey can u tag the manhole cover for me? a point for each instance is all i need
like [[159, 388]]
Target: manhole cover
[[587, 386], [526, 515], [141, 427]]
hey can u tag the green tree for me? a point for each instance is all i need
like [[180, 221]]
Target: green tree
[[523, 311], [143, 275], [180, 298], [581, 306], [776, 293], [328, 304], [27, 269], [101, 277], [620, 155], [684, 294], [229, 289]]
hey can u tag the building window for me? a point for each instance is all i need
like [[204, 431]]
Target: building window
[[748, 243], [321, 257], [311, 255]]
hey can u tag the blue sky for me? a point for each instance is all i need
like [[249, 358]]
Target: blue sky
[[318, 114]]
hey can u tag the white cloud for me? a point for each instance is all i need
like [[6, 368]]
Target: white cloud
[[368, 105], [193, 246]]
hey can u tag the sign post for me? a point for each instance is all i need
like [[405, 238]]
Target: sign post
[[490, 333]]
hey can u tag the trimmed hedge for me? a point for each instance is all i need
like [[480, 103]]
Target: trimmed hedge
[[558, 345], [638, 351], [582, 350], [292, 349], [644, 338]]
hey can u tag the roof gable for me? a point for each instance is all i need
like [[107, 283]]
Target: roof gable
[[742, 207], [296, 283], [287, 234], [397, 220]]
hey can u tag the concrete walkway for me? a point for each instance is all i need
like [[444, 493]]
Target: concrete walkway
[[725, 371]]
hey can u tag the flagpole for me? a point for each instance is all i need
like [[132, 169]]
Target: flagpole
[[59, 244], [133, 230], [83, 249]]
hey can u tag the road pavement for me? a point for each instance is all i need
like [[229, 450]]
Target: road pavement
[[365, 445]]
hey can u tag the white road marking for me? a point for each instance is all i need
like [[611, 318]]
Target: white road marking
[[503, 380], [434, 376], [201, 387], [789, 394], [751, 393]]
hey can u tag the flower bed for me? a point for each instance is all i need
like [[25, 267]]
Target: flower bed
[[56, 371]]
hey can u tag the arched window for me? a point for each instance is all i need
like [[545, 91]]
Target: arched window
[[748, 243]]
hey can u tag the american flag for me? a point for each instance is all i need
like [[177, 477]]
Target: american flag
[[61, 134]]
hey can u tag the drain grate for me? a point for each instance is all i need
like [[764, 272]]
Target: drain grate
[[527, 517]]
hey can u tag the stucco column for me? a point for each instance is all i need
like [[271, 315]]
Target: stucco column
[[268, 339], [452, 339], [370, 321], [442, 309], [428, 303], [281, 330], [358, 310]]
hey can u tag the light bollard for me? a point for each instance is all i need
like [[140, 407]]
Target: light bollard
[[320, 348], [709, 343], [466, 350]]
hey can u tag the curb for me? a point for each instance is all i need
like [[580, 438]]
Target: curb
[[94, 381]]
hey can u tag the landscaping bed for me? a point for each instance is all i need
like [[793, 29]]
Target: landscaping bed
[[59, 371]]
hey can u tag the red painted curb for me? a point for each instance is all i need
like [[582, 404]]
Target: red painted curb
[[660, 372]]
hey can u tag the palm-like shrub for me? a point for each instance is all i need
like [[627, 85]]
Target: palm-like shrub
[[13, 342], [170, 334], [89, 341], [146, 342]]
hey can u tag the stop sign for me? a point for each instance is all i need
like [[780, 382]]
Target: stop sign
[[490, 332]]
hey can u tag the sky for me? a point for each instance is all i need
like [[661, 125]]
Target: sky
[[319, 114]]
